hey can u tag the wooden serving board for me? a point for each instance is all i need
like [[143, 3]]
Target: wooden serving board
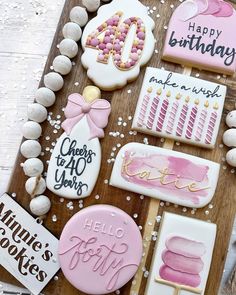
[[123, 105]]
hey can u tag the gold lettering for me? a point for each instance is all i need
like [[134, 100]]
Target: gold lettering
[[164, 173]]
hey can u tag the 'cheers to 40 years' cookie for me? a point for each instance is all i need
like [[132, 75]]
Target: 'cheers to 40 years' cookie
[[179, 107], [164, 174], [76, 159], [117, 42], [200, 34], [100, 249]]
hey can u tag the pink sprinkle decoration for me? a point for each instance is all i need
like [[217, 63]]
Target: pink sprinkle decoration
[[152, 113], [211, 127], [162, 115], [182, 119], [143, 110], [191, 122], [201, 124], [172, 117]]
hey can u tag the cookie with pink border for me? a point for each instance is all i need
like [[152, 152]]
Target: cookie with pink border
[[200, 35], [100, 249]]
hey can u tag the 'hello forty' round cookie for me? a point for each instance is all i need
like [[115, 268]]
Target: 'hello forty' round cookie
[[100, 249], [117, 42]]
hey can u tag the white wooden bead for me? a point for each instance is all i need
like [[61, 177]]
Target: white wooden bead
[[45, 96], [33, 167], [72, 31], [35, 186], [231, 157], [30, 149], [79, 15], [54, 81], [68, 47], [62, 64], [231, 119], [229, 137], [36, 112], [40, 205], [91, 5], [31, 130]]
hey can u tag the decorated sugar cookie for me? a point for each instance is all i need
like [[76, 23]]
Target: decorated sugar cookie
[[165, 174], [100, 249], [75, 162], [182, 258], [179, 107], [200, 35], [117, 42]]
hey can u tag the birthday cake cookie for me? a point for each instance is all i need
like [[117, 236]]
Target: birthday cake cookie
[[117, 42], [100, 249], [200, 35]]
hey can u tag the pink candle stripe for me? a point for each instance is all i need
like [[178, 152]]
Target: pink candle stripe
[[211, 127], [191, 122], [182, 118], [201, 124], [162, 115], [143, 110], [172, 117], [152, 113]]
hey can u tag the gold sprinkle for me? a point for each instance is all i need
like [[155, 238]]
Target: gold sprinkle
[[216, 106], [149, 90], [206, 104], [168, 94], [159, 91], [187, 99], [196, 101], [178, 96]]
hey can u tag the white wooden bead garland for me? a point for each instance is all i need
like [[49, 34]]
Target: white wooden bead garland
[[37, 112], [229, 138]]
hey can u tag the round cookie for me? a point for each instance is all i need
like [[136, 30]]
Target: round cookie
[[103, 245]]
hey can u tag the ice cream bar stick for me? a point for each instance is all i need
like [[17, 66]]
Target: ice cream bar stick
[[151, 220], [178, 288]]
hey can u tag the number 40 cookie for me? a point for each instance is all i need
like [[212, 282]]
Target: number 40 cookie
[[117, 42]]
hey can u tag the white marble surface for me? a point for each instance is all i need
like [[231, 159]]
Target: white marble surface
[[26, 32]]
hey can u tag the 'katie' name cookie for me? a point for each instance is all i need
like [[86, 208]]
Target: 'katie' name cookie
[[164, 174]]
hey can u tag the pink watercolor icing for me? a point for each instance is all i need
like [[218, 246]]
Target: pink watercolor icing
[[181, 170], [191, 8], [182, 261], [97, 114]]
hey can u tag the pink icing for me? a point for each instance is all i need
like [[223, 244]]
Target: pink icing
[[183, 170], [192, 8], [182, 263], [174, 276], [203, 38], [185, 247], [100, 249], [97, 114]]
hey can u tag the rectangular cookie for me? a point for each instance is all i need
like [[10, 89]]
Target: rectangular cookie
[[165, 174], [179, 107], [182, 257]]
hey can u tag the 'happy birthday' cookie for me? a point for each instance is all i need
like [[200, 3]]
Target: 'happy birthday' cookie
[[200, 35]]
